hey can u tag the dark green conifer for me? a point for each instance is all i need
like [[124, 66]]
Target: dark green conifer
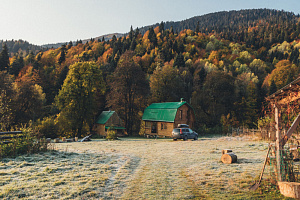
[[162, 27], [4, 58], [197, 28], [62, 57], [131, 33], [273, 87], [137, 32]]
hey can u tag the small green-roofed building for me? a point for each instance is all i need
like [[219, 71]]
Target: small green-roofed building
[[161, 118], [109, 120]]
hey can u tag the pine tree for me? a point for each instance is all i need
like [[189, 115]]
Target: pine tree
[[62, 57], [137, 32], [4, 58], [113, 39], [197, 28], [131, 33], [172, 30], [16, 66], [152, 36], [273, 87], [133, 45], [70, 45], [161, 27], [179, 61]]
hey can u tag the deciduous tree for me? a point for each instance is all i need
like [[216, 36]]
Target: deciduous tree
[[128, 88], [166, 85], [7, 97], [77, 99]]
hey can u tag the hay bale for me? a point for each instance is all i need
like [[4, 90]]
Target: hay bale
[[229, 158]]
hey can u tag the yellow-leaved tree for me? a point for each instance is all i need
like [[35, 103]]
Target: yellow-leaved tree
[[77, 99]]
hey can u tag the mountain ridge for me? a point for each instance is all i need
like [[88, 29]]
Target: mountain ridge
[[234, 20]]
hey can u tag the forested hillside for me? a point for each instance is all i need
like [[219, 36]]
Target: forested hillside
[[19, 46], [255, 27], [225, 72]]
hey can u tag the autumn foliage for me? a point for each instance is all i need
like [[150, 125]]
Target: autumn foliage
[[224, 75]]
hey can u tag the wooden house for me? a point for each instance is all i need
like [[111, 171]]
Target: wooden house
[[161, 118], [109, 120]]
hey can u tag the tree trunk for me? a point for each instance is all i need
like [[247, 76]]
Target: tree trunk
[[229, 158]]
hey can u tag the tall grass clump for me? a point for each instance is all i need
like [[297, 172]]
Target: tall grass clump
[[29, 142]]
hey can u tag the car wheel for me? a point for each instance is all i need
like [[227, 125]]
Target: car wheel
[[196, 137], [185, 138], [174, 139]]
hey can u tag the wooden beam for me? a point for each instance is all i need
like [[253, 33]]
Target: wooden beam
[[291, 130], [278, 145], [10, 133], [288, 99]]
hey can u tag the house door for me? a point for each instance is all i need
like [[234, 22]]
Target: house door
[[154, 127]]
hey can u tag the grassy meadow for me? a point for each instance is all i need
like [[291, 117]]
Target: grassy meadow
[[137, 168]]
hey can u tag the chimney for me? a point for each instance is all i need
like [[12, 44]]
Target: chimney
[[182, 100]]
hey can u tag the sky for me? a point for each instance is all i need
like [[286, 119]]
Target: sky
[[53, 21]]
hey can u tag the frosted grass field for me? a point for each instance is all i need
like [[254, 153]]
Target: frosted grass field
[[136, 168]]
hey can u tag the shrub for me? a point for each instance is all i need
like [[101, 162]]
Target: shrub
[[48, 128], [31, 142], [111, 134]]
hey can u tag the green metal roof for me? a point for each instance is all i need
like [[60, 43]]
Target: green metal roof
[[165, 112], [105, 115]]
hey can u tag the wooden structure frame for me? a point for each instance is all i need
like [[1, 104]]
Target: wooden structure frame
[[6, 137], [282, 102]]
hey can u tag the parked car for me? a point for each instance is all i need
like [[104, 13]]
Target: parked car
[[184, 133]]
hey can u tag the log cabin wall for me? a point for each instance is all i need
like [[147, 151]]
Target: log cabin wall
[[165, 129], [100, 129], [184, 115], [162, 128]]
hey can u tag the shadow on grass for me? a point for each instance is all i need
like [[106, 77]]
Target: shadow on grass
[[247, 161]]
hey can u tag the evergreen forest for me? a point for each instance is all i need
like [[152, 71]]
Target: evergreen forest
[[224, 64]]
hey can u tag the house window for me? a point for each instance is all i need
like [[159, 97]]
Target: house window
[[165, 126], [162, 126]]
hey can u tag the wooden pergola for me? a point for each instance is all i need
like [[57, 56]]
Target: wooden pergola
[[282, 101]]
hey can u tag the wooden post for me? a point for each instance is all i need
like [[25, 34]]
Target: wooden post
[[278, 144]]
